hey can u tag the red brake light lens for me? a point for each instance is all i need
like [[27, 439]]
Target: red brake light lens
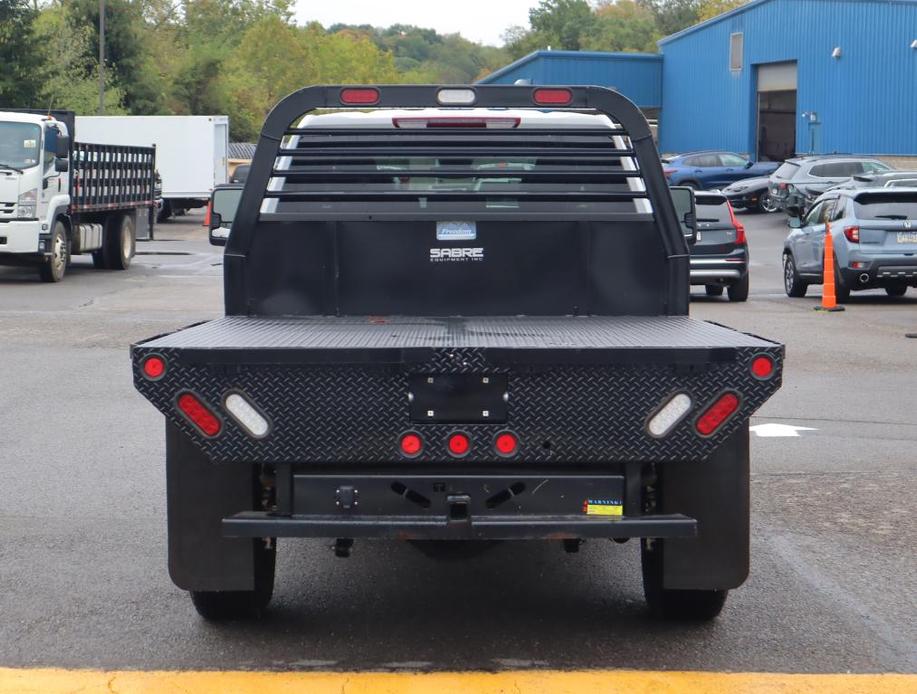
[[506, 444], [363, 96], [740, 228], [717, 414], [852, 234], [200, 415], [207, 213], [552, 97], [411, 445], [153, 367], [459, 445], [762, 367]]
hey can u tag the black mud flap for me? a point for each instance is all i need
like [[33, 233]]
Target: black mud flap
[[200, 494], [716, 493]]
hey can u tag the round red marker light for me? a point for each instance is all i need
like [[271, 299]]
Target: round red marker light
[[459, 444], [154, 367], [762, 367], [506, 444], [411, 445]]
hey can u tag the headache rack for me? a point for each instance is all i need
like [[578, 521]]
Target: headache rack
[[480, 162]]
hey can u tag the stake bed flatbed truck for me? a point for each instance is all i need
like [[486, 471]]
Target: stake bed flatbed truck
[[457, 314], [60, 197]]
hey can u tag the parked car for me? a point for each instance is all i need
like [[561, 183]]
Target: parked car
[[705, 170], [874, 231], [800, 180], [885, 179], [719, 256], [751, 194]]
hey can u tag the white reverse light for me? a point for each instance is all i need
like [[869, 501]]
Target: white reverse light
[[456, 97], [669, 415], [246, 415]]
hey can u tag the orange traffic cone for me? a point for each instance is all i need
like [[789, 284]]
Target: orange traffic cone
[[828, 296]]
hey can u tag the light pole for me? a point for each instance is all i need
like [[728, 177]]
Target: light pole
[[101, 57]]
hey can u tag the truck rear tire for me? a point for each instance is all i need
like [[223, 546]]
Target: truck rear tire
[[241, 604], [55, 267], [667, 603], [119, 243]]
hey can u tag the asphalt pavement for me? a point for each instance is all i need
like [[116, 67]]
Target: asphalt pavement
[[83, 579]]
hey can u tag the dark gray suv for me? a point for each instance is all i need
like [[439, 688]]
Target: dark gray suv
[[719, 256], [800, 180]]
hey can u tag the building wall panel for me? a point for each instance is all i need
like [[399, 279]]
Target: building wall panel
[[866, 100]]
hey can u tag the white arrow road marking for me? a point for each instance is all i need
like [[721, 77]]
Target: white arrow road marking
[[774, 430]]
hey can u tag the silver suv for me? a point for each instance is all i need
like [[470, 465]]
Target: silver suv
[[800, 180]]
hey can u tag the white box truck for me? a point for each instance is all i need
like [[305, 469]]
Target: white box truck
[[61, 197], [191, 152]]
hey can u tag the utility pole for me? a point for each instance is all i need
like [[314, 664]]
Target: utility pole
[[101, 57]]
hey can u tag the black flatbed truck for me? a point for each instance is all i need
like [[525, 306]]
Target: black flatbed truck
[[457, 324]]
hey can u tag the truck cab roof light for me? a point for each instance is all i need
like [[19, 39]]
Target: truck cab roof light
[[717, 414], [199, 414], [360, 96], [246, 415], [552, 97], [455, 122], [456, 97], [667, 417]]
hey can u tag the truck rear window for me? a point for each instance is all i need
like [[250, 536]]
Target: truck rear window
[[459, 169], [886, 206]]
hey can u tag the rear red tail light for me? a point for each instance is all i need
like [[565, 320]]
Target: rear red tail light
[[552, 97], [362, 96], [506, 444], [411, 445], [762, 367], [740, 228], [459, 444], [852, 234], [717, 414], [207, 213], [199, 414], [153, 367]]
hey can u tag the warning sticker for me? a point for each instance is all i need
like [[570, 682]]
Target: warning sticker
[[603, 507]]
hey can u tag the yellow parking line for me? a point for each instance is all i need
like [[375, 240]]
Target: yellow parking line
[[51, 681]]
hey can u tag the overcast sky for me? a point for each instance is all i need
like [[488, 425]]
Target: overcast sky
[[479, 20]]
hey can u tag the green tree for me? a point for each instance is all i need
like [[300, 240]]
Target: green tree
[[712, 8], [623, 25], [562, 23], [19, 57], [69, 76], [125, 50], [673, 15]]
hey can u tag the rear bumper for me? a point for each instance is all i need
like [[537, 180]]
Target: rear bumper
[[879, 271], [541, 527], [719, 269], [515, 503]]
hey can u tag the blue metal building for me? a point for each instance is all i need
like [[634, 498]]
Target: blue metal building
[[778, 77], [636, 75]]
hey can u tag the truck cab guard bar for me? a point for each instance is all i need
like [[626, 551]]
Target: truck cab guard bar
[[279, 127]]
